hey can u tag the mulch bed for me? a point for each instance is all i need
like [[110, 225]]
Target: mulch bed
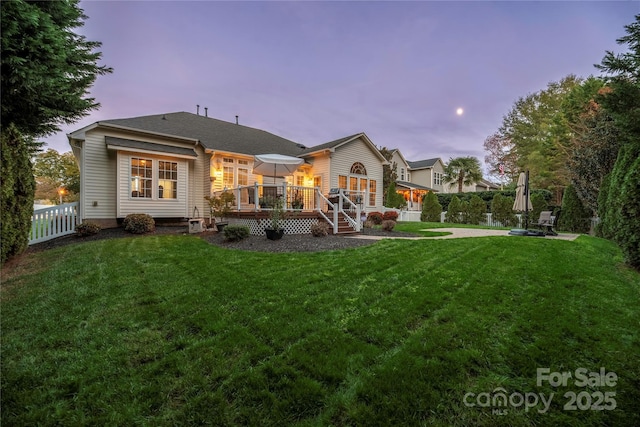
[[289, 243]]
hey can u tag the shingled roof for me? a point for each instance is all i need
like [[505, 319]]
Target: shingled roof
[[331, 144], [212, 133], [423, 163]]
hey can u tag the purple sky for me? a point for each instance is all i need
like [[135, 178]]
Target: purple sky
[[313, 72]]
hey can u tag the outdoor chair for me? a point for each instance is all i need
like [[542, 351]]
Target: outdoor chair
[[546, 223]]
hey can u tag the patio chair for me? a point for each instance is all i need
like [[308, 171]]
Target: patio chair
[[546, 223]]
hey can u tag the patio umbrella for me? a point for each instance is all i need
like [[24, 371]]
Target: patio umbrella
[[523, 201], [275, 165]]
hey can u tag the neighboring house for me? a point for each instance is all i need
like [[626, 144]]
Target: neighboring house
[[429, 173], [483, 185], [164, 165]]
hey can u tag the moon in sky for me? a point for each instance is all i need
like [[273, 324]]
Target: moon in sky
[[459, 111]]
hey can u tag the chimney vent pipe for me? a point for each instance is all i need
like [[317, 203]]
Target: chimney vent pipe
[[206, 114], [236, 119], [198, 109]]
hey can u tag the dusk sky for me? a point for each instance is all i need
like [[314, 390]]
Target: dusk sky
[[313, 72]]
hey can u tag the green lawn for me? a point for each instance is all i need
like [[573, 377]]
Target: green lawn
[[166, 330]]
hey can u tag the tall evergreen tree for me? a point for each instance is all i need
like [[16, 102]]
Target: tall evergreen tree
[[17, 189], [47, 70], [47, 74], [620, 211], [431, 208]]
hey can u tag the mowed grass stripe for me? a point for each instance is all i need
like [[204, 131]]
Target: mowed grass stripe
[[169, 330]]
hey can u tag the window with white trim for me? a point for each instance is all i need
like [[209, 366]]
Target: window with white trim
[[141, 178], [167, 180], [228, 172], [372, 192]]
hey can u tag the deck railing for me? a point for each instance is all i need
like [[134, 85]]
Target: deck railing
[[52, 222], [261, 197]]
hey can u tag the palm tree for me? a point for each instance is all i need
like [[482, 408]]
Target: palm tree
[[462, 170]]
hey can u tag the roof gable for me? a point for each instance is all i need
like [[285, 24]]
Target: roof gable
[[423, 164], [332, 145]]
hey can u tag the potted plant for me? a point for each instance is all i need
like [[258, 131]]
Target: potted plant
[[220, 206], [275, 230]]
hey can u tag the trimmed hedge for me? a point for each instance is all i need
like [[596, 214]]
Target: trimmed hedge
[[445, 198], [619, 205]]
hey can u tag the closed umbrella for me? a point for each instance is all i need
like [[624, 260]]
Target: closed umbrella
[[275, 165], [523, 201]]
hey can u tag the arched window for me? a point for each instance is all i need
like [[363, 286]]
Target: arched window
[[358, 169]]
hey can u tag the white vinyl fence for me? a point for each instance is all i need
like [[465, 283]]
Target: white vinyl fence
[[54, 221]]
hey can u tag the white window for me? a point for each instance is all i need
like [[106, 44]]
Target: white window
[[243, 176], [141, 178], [167, 180], [401, 174], [372, 192], [228, 173]]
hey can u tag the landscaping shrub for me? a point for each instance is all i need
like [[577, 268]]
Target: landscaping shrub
[[139, 223], [368, 224], [575, 217], [454, 211], [320, 229], [431, 208], [388, 225], [476, 211], [234, 233], [390, 215], [502, 210], [375, 217], [394, 199], [87, 228]]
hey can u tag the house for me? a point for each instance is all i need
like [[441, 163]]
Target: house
[[165, 164], [416, 178], [429, 173]]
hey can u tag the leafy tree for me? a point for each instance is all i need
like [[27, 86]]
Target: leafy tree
[[501, 153], [476, 211], [575, 217], [462, 171], [539, 136], [54, 171], [431, 208], [46, 75], [454, 211], [595, 143], [17, 187]]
